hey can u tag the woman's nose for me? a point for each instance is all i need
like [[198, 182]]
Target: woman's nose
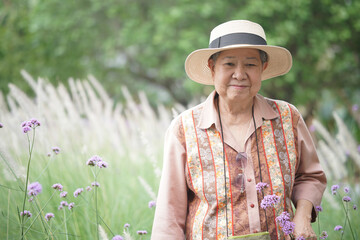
[[239, 73]]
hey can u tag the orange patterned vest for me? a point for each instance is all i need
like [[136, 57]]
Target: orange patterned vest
[[206, 169]]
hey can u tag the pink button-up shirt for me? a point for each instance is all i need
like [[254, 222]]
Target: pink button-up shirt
[[176, 201]]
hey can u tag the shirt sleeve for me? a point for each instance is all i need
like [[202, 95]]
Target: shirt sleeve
[[310, 179], [171, 206]]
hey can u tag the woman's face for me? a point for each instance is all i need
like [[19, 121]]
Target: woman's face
[[237, 73]]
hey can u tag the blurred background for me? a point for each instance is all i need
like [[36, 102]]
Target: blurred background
[[99, 73], [143, 44]]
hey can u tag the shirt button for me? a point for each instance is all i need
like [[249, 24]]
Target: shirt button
[[249, 179], [252, 205]]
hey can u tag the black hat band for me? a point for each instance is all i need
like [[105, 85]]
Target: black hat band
[[237, 38]]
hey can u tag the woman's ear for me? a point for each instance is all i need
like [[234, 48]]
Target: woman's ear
[[211, 65], [265, 65]]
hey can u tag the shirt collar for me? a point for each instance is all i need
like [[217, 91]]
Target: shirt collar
[[209, 114]]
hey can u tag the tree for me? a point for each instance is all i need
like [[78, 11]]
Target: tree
[[143, 43]]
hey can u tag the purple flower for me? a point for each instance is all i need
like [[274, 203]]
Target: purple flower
[[34, 189], [57, 186], [63, 194], [283, 218], [88, 188], [346, 199], [26, 129], [117, 237], [27, 125], [269, 201], [49, 216], [354, 207], [300, 238], [152, 204], [260, 186], [318, 208], [56, 150], [78, 192], [1, 125], [288, 227], [126, 225], [93, 160], [346, 189], [102, 164], [26, 213], [62, 205], [338, 228], [355, 108], [71, 205], [97, 161], [358, 148], [285, 224], [142, 232], [323, 235], [334, 188], [34, 123], [95, 184]]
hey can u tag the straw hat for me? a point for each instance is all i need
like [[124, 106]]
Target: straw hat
[[237, 34]]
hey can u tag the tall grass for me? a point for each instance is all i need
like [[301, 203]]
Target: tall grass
[[84, 121]]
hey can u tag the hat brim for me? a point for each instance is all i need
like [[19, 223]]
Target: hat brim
[[196, 64]]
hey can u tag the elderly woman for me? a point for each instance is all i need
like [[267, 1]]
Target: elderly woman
[[220, 152]]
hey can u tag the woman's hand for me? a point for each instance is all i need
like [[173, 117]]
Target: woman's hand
[[302, 220]]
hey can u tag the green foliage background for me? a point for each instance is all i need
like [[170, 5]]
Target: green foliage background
[[143, 44]]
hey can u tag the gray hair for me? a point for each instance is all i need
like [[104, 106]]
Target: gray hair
[[263, 56]]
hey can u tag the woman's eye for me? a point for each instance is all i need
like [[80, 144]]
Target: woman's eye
[[251, 65], [229, 64]]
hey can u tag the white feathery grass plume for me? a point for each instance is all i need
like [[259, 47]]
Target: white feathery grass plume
[[127, 235], [69, 106], [3, 108], [147, 188], [99, 88], [164, 116], [150, 153], [102, 233], [75, 95], [333, 167], [174, 112], [330, 140], [22, 101], [331, 199], [12, 170], [30, 80], [346, 140], [84, 103], [323, 160]]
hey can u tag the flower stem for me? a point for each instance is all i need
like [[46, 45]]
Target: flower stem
[[39, 213], [8, 217], [31, 146], [347, 217], [318, 222], [97, 217], [96, 206], [66, 233]]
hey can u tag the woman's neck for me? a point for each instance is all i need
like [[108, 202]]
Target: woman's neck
[[236, 113]]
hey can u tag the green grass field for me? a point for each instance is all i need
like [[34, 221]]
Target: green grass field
[[82, 123]]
